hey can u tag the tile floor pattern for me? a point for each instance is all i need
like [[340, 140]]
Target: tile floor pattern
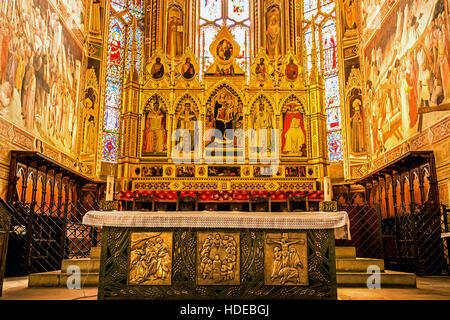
[[428, 288]]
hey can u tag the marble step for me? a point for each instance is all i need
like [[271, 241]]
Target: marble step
[[388, 279], [357, 264], [86, 265], [345, 252], [58, 279]]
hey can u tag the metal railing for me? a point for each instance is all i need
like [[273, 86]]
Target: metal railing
[[41, 236]]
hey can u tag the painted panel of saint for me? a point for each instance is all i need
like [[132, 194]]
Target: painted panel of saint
[[154, 136], [187, 69], [261, 70], [263, 125], [175, 32], [157, 69], [186, 119], [224, 50], [291, 70], [293, 137], [273, 31]]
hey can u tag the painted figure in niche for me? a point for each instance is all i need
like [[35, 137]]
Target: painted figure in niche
[[175, 32], [273, 32], [186, 120], [188, 69], [224, 50], [210, 124], [293, 137], [262, 123], [157, 69], [261, 70], [154, 139], [356, 127], [291, 70], [349, 9], [89, 138], [224, 113], [94, 21]]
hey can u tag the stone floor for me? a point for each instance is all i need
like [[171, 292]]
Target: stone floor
[[428, 288]]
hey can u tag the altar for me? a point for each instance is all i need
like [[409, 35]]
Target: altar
[[217, 255]]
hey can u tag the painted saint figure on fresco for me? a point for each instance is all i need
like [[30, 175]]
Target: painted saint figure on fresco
[[154, 137], [356, 127], [175, 32], [273, 32], [293, 137], [188, 69]]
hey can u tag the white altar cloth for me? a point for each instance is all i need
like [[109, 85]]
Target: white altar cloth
[[220, 219]]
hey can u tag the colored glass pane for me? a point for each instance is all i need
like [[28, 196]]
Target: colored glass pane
[[334, 119], [330, 61], [238, 10], [118, 5], [332, 92], [241, 35], [111, 119], [207, 35], [137, 8], [335, 146], [329, 34], [210, 9], [110, 143], [309, 5]]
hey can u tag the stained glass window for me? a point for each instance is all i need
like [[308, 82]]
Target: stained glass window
[[123, 39], [321, 15], [216, 13]]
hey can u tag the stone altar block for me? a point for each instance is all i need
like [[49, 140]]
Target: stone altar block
[[217, 255]]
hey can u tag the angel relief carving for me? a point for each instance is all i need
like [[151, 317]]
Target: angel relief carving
[[151, 258]]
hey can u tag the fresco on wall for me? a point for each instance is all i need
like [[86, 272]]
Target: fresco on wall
[[39, 73], [372, 13], [406, 68]]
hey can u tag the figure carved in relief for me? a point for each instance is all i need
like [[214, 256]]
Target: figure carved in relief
[[286, 262], [218, 259], [273, 32], [151, 260], [175, 32], [154, 139], [293, 137]]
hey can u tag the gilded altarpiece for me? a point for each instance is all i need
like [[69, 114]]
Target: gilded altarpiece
[[225, 114]]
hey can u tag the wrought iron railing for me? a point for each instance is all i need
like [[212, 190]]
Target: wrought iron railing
[[42, 235]]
